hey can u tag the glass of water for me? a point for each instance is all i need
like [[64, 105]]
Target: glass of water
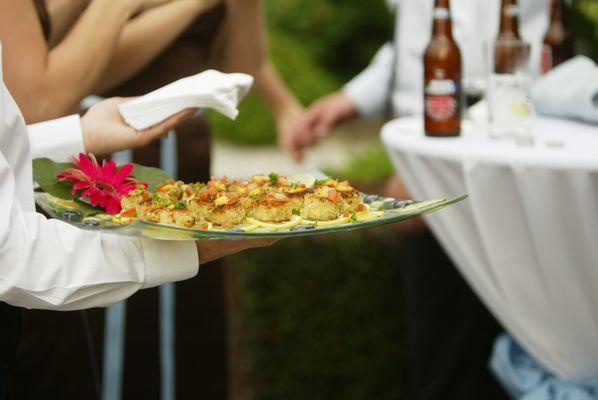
[[510, 108]]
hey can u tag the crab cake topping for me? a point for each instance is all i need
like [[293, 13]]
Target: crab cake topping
[[260, 179]]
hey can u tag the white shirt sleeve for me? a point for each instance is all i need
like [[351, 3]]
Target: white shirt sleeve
[[57, 139], [370, 91], [48, 264]]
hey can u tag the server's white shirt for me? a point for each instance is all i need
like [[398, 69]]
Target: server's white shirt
[[475, 22], [49, 264]]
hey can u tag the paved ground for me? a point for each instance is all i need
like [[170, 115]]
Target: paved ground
[[238, 161]]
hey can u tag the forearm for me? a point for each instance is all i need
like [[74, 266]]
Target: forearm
[[274, 91], [72, 68], [63, 15], [245, 36], [145, 37]]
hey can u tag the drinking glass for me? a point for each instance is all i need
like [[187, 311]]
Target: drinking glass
[[510, 108]]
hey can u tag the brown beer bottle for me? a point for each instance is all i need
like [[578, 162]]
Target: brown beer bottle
[[442, 77], [508, 56], [558, 41], [509, 20]]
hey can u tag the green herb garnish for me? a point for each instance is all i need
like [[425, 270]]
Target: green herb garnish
[[296, 211], [273, 178], [160, 201]]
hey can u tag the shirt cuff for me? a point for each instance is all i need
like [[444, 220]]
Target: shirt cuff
[[365, 108], [368, 98], [169, 261], [57, 139]]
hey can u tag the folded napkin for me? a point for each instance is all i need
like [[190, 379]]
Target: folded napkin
[[569, 91], [209, 89]]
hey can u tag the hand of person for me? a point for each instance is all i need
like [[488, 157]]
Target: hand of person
[[105, 132], [285, 124], [210, 250], [320, 118]]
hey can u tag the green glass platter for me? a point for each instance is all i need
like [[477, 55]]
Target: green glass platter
[[383, 210]]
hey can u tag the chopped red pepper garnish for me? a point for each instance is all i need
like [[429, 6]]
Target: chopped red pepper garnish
[[131, 212]]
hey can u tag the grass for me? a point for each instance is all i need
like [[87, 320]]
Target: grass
[[372, 165]]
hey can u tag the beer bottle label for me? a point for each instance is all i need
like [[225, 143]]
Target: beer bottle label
[[441, 102], [441, 13], [547, 59]]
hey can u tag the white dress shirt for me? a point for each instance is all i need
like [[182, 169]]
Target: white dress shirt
[[475, 22], [49, 264]]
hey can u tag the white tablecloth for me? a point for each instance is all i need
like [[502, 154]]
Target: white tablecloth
[[527, 237]]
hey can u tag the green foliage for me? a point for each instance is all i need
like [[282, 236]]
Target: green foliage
[[341, 35], [45, 172], [372, 165], [585, 25], [150, 175], [316, 49], [304, 77], [322, 318]]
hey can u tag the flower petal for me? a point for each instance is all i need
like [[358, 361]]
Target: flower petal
[[86, 165], [123, 173], [108, 170]]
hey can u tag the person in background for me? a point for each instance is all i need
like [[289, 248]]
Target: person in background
[[163, 40], [450, 332], [51, 265], [49, 82]]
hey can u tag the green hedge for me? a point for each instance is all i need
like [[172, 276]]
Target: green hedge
[[322, 318], [305, 78], [585, 26]]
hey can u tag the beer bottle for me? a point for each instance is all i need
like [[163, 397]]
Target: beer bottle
[[508, 56], [442, 77], [558, 41], [509, 20]]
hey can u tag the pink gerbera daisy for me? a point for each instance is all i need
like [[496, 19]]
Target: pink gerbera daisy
[[102, 185]]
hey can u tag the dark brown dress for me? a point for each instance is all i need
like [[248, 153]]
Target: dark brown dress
[[60, 355]]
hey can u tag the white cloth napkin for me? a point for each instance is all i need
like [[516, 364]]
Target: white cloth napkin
[[209, 89], [569, 91]]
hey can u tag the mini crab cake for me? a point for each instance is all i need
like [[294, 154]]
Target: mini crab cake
[[323, 204], [227, 211], [199, 210], [192, 190], [249, 193], [137, 199], [295, 192], [184, 218], [351, 199], [273, 207], [261, 180], [161, 216], [296, 195], [153, 215], [200, 203]]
